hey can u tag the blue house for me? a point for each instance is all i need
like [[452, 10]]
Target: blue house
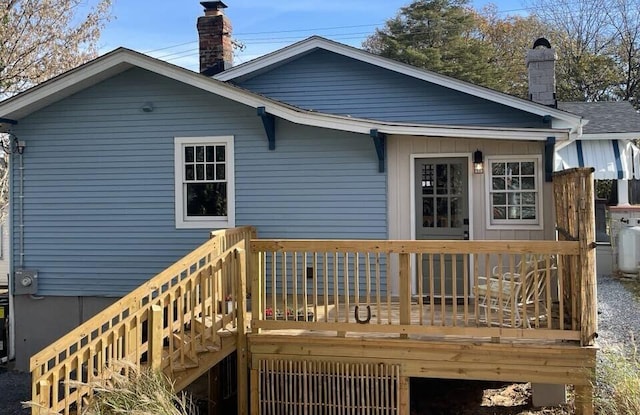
[[125, 164]]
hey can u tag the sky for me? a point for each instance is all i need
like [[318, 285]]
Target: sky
[[166, 29]]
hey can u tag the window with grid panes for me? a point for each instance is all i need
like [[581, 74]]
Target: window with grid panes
[[514, 194], [204, 182]]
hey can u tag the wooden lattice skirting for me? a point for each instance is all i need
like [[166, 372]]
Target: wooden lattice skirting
[[321, 387]]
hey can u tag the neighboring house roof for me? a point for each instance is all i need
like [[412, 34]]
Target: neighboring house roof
[[272, 60], [123, 59], [607, 120]]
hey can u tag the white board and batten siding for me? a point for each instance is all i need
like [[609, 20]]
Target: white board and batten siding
[[99, 182], [400, 152]]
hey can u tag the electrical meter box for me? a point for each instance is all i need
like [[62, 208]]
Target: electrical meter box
[[25, 281]]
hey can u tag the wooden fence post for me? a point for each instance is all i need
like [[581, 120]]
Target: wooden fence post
[[155, 337], [241, 259]]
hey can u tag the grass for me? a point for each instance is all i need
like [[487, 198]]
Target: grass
[[618, 382], [126, 389]]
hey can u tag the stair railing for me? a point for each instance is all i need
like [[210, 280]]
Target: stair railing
[[164, 323]]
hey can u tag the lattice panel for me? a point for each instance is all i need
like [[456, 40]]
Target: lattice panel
[[320, 387]]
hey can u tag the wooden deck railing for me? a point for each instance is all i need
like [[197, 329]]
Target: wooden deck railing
[[163, 323], [346, 286]]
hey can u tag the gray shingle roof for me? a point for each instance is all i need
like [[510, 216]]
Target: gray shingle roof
[[605, 117]]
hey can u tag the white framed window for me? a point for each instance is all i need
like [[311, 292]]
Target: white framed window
[[514, 189], [204, 182]]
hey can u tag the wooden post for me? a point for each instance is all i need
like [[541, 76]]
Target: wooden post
[[257, 284], [405, 291], [242, 361], [584, 400], [44, 400], [155, 337], [254, 378], [405, 393], [586, 233]]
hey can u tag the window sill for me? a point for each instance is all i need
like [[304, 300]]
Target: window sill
[[205, 224]]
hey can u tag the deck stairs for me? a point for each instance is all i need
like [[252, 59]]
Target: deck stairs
[[183, 321]]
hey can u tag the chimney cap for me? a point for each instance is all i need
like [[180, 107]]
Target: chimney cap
[[213, 5], [541, 42]]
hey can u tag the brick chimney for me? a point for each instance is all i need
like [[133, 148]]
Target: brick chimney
[[214, 30], [541, 65]]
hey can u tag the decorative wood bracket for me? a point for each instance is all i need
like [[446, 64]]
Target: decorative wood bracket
[[269, 122], [549, 150], [380, 141]]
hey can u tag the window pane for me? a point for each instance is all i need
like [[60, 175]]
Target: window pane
[[189, 172], [528, 198], [514, 212], [514, 199], [456, 213], [513, 183], [220, 153], [211, 172], [456, 179], [528, 183], [527, 168], [497, 169], [442, 182], [427, 179], [199, 171], [427, 212], [513, 168], [220, 172], [528, 212], [188, 154], [500, 212], [206, 199], [498, 184], [442, 212], [211, 150], [499, 199], [200, 153]]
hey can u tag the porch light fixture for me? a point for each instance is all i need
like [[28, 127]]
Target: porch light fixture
[[478, 163]]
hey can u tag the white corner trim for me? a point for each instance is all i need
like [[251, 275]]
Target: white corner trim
[[182, 222]]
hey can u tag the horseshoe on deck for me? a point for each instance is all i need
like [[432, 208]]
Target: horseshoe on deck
[[356, 313]]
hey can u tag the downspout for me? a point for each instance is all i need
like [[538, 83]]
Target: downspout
[[12, 330]]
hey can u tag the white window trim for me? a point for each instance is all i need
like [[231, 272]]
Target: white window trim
[[182, 222], [515, 224]]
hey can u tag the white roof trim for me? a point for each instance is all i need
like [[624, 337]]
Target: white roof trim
[[611, 136], [122, 59], [315, 42]]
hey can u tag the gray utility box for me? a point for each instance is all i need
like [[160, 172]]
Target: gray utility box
[[25, 281], [4, 326]]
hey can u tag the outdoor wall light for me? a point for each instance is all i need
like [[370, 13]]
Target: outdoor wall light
[[147, 107], [478, 163]]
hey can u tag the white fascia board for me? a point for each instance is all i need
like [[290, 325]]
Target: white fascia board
[[308, 45], [611, 136], [123, 59], [61, 87]]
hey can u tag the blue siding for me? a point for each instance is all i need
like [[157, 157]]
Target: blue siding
[[336, 84], [99, 182]]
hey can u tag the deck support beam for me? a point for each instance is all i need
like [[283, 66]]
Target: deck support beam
[[269, 122]]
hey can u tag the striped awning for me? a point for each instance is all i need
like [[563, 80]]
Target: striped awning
[[611, 159]]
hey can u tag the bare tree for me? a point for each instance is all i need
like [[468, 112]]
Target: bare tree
[[41, 39]]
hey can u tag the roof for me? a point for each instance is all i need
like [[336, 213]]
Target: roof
[[272, 60], [617, 120], [123, 59]]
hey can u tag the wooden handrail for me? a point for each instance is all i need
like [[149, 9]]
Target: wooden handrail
[[136, 327], [318, 284]]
